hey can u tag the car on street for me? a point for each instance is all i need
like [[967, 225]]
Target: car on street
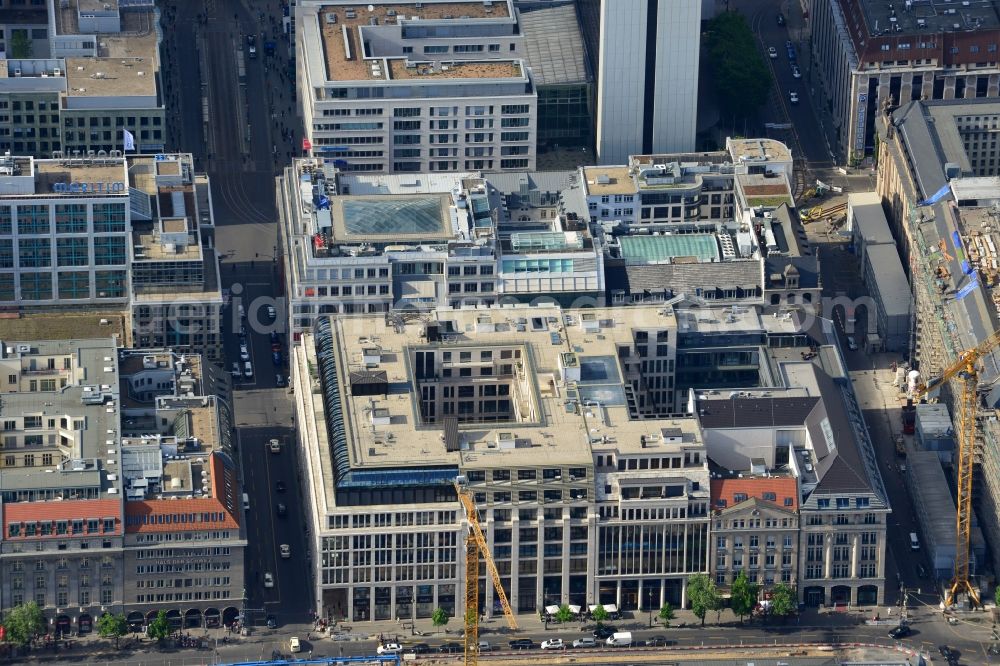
[[659, 641], [279, 381], [772, 52], [251, 39], [449, 648], [902, 631], [248, 370], [604, 631], [793, 97], [585, 642], [274, 445], [271, 622], [276, 358], [286, 551], [389, 648], [276, 346], [280, 486], [417, 648], [521, 644], [781, 19], [244, 353], [294, 644], [796, 73], [484, 646], [268, 580], [282, 509], [553, 644], [236, 370]]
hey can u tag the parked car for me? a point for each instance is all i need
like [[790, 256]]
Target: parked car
[[449, 648], [796, 73], [521, 644], [294, 645], [286, 551], [248, 370], [772, 52], [389, 648], [484, 646], [271, 622], [793, 97], [276, 358], [271, 312], [604, 631], [282, 509], [659, 641], [417, 648], [902, 631], [279, 381], [280, 486], [268, 580], [236, 370], [244, 353], [553, 644], [585, 642]]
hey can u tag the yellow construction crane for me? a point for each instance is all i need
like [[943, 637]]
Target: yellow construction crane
[[967, 399], [475, 545]]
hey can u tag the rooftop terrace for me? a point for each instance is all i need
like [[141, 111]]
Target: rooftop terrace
[[341, 26]]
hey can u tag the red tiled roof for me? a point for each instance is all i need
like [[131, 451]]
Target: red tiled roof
[[727, 489], [220, 511], [59, 510]]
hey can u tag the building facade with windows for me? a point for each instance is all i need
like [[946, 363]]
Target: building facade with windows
[[533, 409], [64, 232], [63, 527], [439, 85], [91, 73], [867, 55], [176, 298], [361, 243]]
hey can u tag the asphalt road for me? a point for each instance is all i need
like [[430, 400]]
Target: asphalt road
[[243, 142]]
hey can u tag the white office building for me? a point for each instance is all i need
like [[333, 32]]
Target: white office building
[[415, 87], [647, 99]]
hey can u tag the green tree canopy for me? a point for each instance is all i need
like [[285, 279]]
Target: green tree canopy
[[743, 596], [564, 614], [159, 628], [112, 626], [782, 600], [703, 595], [666, 614], [20, 44], [740, 75], [23, 623], [439, 617], [599, 614]]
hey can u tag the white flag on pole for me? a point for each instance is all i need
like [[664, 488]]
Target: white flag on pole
[[128, 140]]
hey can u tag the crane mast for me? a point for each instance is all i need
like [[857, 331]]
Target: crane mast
[[965, 371], [476, 546]]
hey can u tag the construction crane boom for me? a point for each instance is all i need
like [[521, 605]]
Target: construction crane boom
[[476, 546], [964, 369]]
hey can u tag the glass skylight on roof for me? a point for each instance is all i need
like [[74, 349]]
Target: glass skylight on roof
[[410, 216]]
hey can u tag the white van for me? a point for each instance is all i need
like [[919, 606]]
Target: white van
[[620, 639], [246, 502], [914, 541]]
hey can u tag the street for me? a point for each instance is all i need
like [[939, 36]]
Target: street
[[243, 142]]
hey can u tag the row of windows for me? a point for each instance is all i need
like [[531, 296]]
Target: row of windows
[[69, 218], [62, 598], [49, 527], [38, 286]]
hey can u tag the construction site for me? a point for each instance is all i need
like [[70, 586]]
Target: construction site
[[945, 218]]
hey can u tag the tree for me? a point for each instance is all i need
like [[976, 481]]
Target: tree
[[23, 623], [741, 78], [666, 614], [703, 595], [564, 614], [20, 45], [159, 628], [743, 596], [112, 626], [599, 614], [439, 617], [782, 601]]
